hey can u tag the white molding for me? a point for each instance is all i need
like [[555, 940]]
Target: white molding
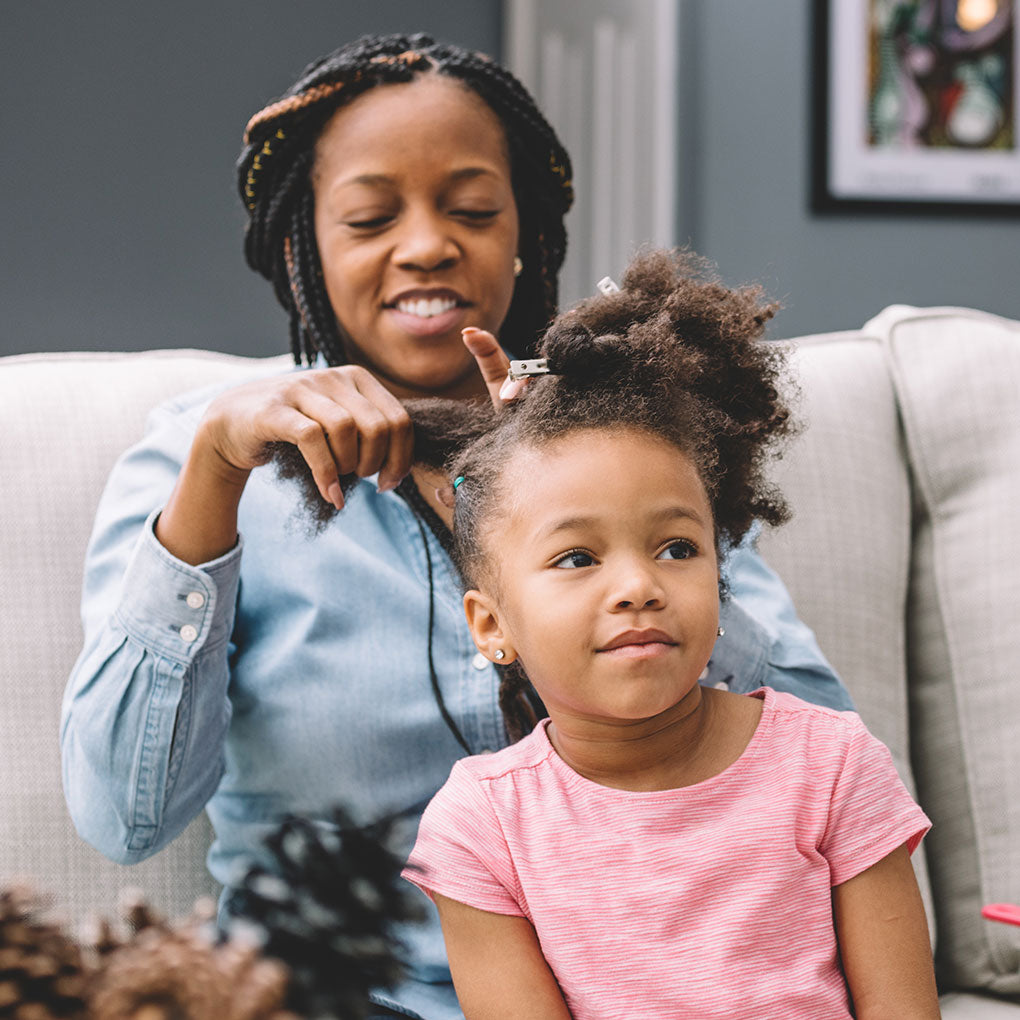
[[619, 123]]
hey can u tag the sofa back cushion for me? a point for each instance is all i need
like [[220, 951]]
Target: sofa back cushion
[[957, 379], [845, 554], [65, 419]]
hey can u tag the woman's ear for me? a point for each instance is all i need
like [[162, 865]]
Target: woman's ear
[[486, 628]]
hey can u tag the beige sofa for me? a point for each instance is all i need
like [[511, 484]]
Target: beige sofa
[[904, 555]]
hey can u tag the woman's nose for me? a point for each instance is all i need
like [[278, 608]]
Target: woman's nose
[[424, 243]]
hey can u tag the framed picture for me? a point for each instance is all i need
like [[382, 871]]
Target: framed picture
[[915, 106]]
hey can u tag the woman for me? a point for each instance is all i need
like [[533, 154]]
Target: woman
[[400, 191]]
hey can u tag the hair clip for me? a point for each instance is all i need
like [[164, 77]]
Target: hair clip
[[607, 285], [528, 368], [457, 481]]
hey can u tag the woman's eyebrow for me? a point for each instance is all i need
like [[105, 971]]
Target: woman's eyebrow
[[385, 180]]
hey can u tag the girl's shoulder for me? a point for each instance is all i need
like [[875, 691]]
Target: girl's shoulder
[[531, 751], [815, 734]]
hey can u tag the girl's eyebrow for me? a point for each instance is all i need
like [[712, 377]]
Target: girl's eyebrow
[[663, 516]]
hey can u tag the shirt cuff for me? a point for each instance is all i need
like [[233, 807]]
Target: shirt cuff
[[173, 608]]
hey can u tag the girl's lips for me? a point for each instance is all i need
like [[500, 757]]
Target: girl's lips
[[433, 325], [646, 650]]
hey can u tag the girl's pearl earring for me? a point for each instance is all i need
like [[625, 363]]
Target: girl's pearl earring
[[499, 654], [518, 266], [720, 632]]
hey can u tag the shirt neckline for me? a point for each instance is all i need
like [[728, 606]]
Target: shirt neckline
[[733, 772]]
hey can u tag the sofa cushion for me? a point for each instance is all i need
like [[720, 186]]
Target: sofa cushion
[[957, 378], [65, 418], [845, 555]]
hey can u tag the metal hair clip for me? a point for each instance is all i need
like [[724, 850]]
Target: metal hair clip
[[524, 369], [607, 285]]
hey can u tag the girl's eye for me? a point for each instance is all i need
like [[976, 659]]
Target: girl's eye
[[575, 558], [681, 549]]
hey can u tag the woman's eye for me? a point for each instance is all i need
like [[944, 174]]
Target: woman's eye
[[681, 549], [575, 558], [478, 215], [369, 222]]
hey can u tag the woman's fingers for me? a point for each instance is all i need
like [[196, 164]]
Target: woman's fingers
[[292, 426], [492, 363], [399, 444], [342, 420], [366, 428]]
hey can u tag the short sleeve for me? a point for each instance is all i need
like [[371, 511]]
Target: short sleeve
[[461, 852], [870, 811]]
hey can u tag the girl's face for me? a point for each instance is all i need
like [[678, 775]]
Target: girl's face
[[417, 229], [604, 575]]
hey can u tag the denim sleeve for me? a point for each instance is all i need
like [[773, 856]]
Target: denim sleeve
[[765, 643], [145, 711]]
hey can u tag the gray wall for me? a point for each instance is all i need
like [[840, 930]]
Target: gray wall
[[120, 122], [747, 164]]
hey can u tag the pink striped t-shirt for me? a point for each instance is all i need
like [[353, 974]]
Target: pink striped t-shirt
[[712, 900]]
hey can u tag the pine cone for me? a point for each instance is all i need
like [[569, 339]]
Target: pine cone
[[42, 974], [165, 974], [326, 910]]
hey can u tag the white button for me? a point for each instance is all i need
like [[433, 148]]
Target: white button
[[188, 633], [722, 685], [195, 600], [479, 661], [485, 750]]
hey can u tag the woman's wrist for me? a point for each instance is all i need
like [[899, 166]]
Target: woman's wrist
[[199, 521]]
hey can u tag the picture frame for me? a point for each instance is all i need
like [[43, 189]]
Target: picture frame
[[915, 107]]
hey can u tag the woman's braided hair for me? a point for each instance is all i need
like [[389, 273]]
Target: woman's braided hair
[[275, 165]]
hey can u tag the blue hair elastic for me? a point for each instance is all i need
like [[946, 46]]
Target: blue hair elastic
[[457, 481]]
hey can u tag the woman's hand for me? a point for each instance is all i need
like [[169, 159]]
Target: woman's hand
[[494, 366], [343, 421]]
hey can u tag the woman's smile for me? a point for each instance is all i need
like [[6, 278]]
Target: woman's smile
[[429, 312], [417, 229]]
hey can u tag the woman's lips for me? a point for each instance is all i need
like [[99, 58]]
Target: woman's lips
[[428, 325]]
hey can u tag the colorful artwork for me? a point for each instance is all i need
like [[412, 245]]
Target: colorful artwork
[[941, 74], [916, 105]]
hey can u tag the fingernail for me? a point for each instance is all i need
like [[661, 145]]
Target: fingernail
[[336, 495], [385, 484], [511, 388]]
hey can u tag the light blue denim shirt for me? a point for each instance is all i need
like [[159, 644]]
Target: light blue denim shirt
[[292, 673]]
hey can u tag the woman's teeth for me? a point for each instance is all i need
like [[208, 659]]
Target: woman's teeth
[[426, 308]]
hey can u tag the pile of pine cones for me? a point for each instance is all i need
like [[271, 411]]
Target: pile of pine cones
[[308, 939]]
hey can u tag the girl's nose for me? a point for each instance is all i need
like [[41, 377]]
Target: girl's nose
[[637, 588], [424, 244]]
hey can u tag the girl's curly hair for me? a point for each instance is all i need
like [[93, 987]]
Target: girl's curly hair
[[674, 353]]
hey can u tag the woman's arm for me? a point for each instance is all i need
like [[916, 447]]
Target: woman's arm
[[883, 942], [498, 968]]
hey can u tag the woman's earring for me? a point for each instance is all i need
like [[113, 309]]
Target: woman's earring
[[518, 266], [499, 654], [720, 632]]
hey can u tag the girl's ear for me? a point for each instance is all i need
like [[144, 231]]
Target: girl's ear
[[486, 629]]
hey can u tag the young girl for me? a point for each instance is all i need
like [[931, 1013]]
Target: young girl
[[655, 848]]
